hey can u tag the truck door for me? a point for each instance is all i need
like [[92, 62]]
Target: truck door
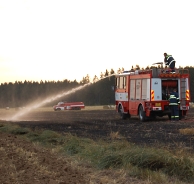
[[156, 89], [184, 92]]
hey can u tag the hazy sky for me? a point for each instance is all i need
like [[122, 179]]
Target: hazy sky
[[68, 39]]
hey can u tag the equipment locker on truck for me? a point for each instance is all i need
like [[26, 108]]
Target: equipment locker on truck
[[144, 93]]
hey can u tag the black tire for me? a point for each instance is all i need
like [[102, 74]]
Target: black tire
[[142, 116], [58, 109], [76, 108], [123, 116], [181, 115]]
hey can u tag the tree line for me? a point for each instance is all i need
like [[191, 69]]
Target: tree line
[[20, 94], [99, 92]]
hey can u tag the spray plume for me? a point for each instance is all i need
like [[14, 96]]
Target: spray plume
[[36, 105]]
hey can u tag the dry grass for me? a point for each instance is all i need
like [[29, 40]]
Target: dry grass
[[187, 131], [115, 135]]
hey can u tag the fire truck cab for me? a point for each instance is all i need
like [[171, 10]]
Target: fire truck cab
[[145, 93]]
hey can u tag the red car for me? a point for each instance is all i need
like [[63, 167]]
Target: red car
[[69, 106]]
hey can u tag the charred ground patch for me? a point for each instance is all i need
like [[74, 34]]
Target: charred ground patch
[[100, 124]]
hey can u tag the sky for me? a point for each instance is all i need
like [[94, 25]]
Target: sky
[[53, 40]]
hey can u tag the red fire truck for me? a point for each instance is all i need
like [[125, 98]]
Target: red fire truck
[[69, 106], [145, 93]]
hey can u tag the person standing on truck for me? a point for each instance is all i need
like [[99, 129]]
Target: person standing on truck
[[169, 61], [174, 105]]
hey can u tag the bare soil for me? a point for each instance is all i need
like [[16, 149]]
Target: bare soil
[[24, 162]]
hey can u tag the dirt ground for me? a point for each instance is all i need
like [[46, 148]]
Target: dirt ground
[[23, 162]]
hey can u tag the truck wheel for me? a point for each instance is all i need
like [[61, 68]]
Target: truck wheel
[[76, 108], [142, 116], [123, 116], [58, 109], [181, 115]]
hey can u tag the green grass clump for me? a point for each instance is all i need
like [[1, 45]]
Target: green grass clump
[[72, 146], [145, 158], [160, 160], [46, 137], [120, 155], [20, 131], [110, 161], [183, 168], [14, 129]]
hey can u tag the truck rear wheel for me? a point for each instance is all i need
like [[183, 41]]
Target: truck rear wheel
[[121, 112], [142, 116], [181, 114], [76, 108]]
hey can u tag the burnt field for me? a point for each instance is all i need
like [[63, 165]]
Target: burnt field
[[106, 124], [25, 162]]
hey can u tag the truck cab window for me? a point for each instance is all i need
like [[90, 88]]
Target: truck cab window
[[122, 83]]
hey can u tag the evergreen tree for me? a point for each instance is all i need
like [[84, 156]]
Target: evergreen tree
[[101, 75], [106, 73], [95, 79], [112, 71]]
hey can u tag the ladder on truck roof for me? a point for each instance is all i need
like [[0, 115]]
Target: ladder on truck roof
[[183, 88]]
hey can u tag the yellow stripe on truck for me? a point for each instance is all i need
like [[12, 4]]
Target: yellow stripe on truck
[[187, 95], [152, 95]]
